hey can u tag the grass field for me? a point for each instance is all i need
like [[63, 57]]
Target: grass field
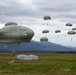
[[48, 64]]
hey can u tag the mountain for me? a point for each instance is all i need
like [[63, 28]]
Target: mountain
[[74, 48], [35, 46]]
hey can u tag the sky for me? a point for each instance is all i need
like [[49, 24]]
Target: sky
[[30, 13]]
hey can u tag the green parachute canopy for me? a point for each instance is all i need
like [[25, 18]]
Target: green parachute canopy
[[45, 31], [47, 18], [71, 32], [10, 23], [57, 31], [44, 39], [13, 34], [73, 28], [68, 24]]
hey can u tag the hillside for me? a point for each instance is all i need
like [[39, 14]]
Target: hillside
[[35, 46]]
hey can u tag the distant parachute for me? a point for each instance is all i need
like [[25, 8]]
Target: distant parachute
[[57, 31], [73, 28], [68, 24], [44, 39], [47, 18], [10, 23], [45, 31], [71, 32]]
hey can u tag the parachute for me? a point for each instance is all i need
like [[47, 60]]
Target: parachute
[[57, 31], [44, 39], [27, 57], [10, 23], [68, 24], [71, 32], [73, 28], [47, 18], [45, 31], [15, 34]]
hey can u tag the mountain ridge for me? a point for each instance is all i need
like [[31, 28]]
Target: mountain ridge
[[35, 46]]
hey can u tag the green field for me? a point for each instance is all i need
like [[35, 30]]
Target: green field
[[48, 64]]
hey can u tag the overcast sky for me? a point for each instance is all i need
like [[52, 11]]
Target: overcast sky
[[30, 13]]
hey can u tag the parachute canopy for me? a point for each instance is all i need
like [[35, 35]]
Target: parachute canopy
[[71, 32], [47, 18], [10, 23], [15, 34], [73, 28], [44, 39], [45, 31], [68, 24], [57, 31], [27, 57]]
